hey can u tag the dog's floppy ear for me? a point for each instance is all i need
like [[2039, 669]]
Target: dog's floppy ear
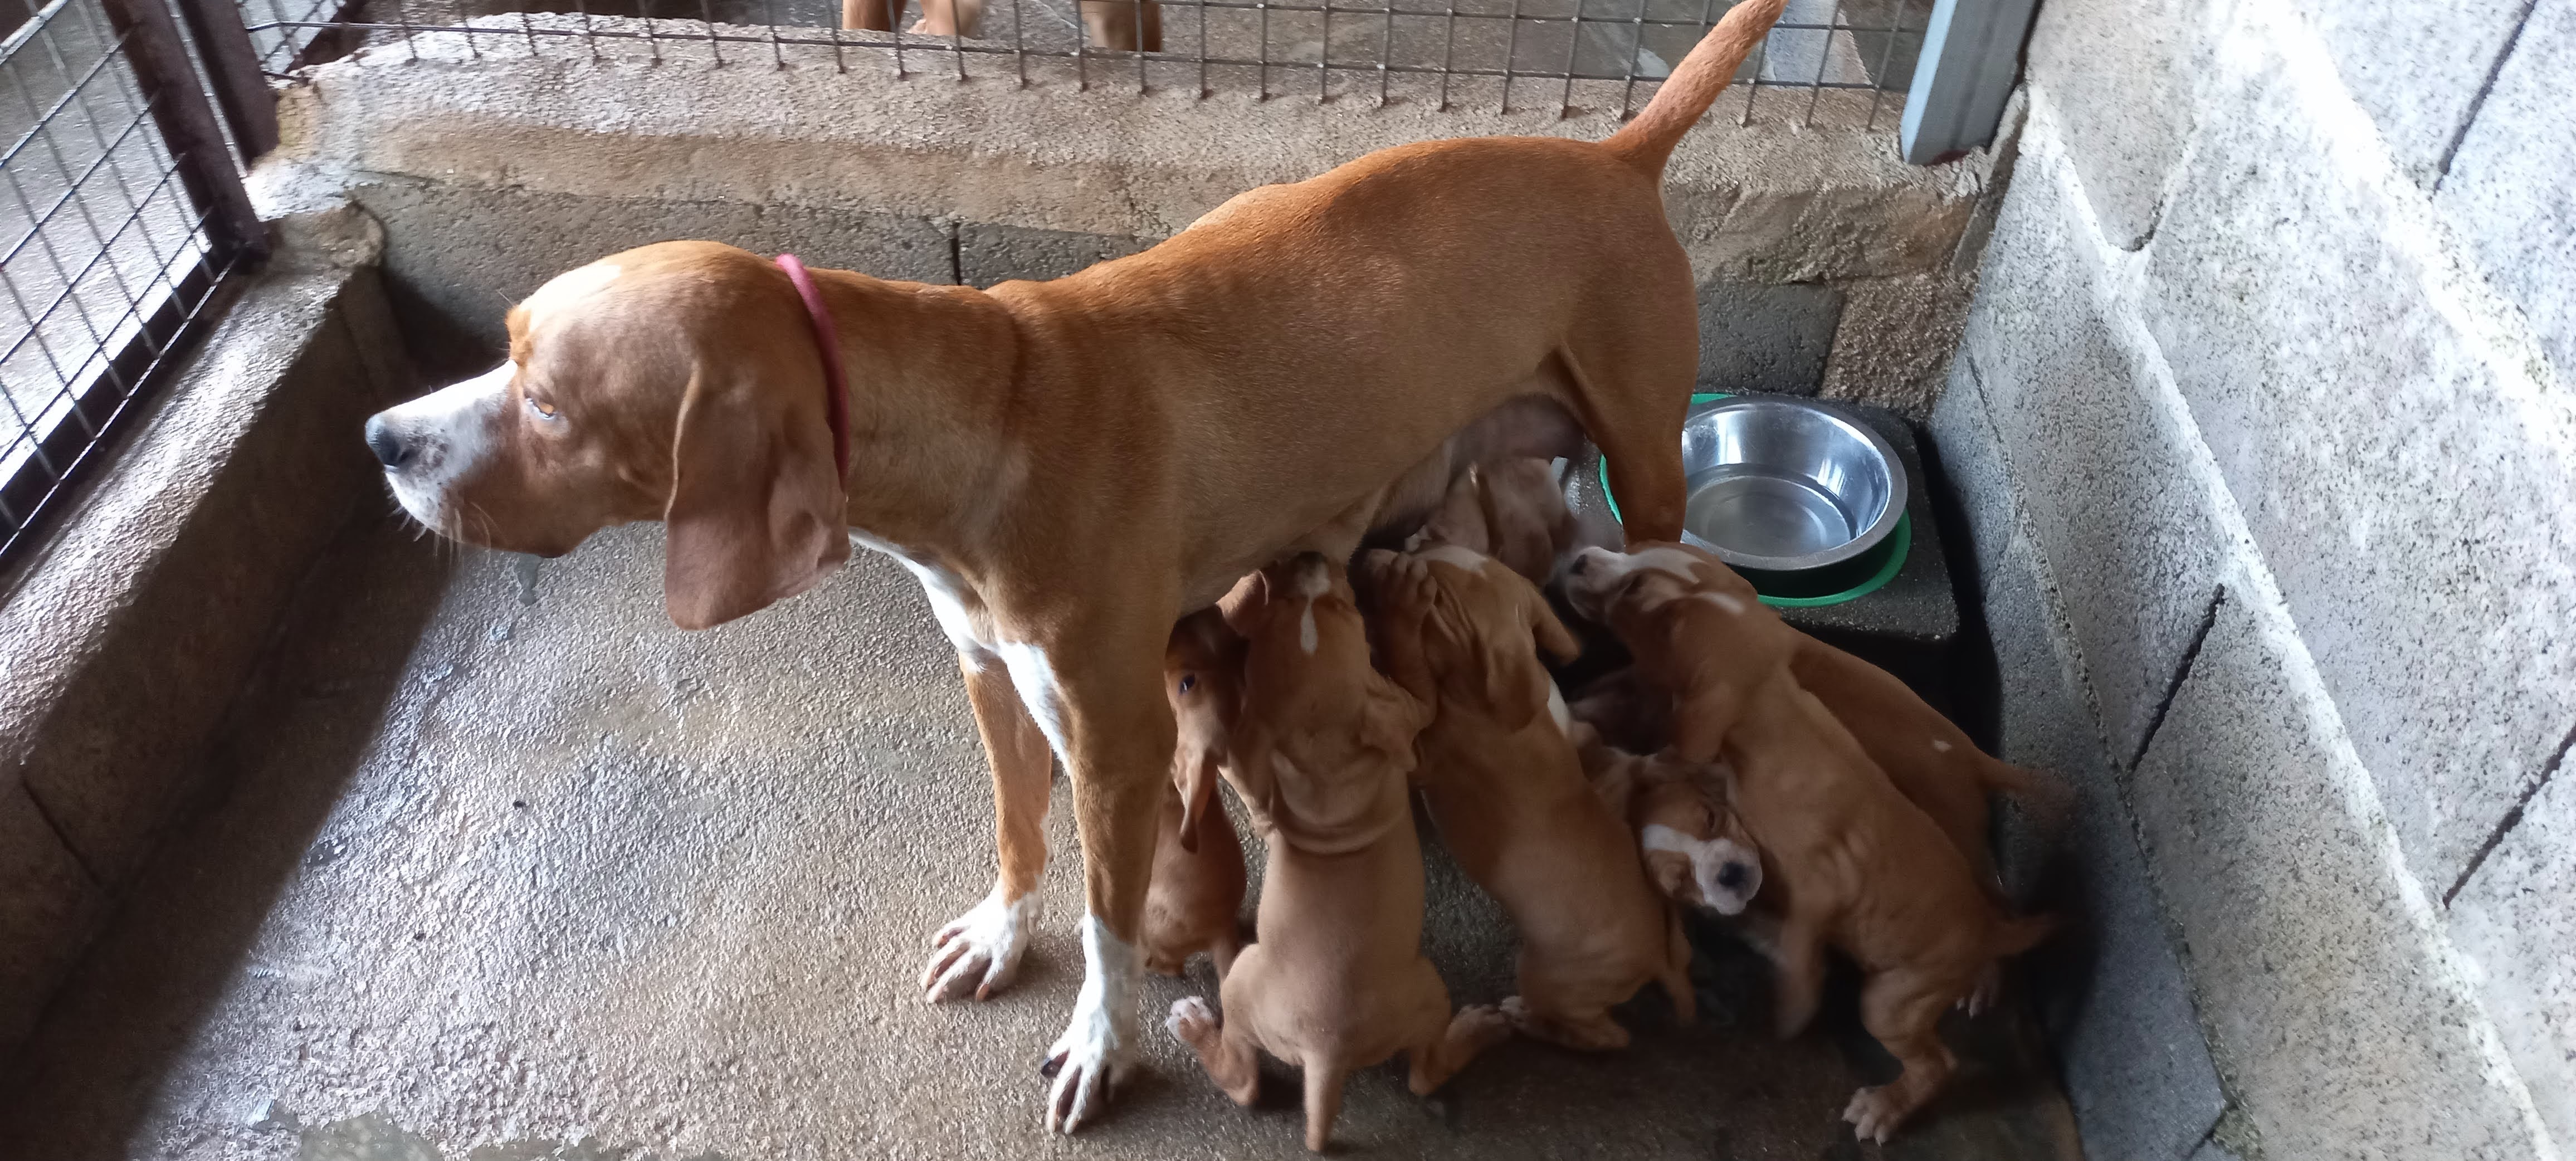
[[1194, 770], [757, 512]]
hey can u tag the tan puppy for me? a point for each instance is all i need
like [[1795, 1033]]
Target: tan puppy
[[1512, 510], [1071, 466], [1336, 980], [1694, 847], [1196, 902], [1927, 756], [1859, 866], [1463, 633]]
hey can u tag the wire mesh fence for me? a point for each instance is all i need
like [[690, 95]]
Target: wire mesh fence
[[1530, 51], [111, 243]]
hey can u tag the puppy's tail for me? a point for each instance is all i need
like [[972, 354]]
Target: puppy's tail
[[1648, 140], [1323, 1104]]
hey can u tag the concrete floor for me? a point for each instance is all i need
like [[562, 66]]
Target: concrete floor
[[508, 868]]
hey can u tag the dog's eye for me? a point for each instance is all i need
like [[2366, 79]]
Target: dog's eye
[[1189, 681], [543, 409]]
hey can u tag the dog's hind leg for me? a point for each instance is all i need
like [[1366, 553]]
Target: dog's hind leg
[[1631, 401], [1799, 982], [1596, 1032], [1462, 1037], [1902, 1009]]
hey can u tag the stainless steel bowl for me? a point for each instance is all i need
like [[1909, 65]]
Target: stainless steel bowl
[[1784, 485]]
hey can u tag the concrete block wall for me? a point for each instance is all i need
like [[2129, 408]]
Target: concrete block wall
[[2264, 416], [1826, 264]]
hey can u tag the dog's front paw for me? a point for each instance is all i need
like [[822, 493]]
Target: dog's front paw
[[981, 949], [1099, 1047], [1192, 1022], [1874, 1113]]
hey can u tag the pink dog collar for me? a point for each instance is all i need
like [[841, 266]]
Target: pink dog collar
[[836, 388]]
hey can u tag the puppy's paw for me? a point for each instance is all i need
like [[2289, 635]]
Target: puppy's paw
[[979, 952], [1477, 1027], [1874, 1114], [1990, 985], [1192, 1022]]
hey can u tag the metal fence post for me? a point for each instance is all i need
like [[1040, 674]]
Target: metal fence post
[[1971, 57], [187, 122], [223, 42]]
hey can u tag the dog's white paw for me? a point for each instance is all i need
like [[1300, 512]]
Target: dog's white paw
[[1098, 1048], [1990, 985], [1873, 1114], [1192, 1022], [980, 950]]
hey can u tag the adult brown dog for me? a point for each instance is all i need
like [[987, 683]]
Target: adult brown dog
[[1462, 632], [1070, 466], [1319, 754], [1848, 860]]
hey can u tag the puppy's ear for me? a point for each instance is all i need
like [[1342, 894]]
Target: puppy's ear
[[1551, 635], [1391, 718], [1460, 519], [1405, 597], [757, 511], [1515, 685], [1196, 776]]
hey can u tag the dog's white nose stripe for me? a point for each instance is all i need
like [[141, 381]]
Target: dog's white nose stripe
[[449, 430]]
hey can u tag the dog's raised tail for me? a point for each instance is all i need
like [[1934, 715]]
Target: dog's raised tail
[[1648, 140]]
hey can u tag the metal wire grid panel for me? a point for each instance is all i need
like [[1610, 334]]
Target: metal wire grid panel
[[1322, 49], [113, 246]]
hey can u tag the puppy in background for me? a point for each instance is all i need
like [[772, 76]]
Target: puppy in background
[[1319, 752], [1196, 900], [1859, 866], [1510, 509], [1462, 632]]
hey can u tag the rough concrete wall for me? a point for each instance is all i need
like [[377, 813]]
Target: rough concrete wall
[[122, 644], [1825, 263], [2266, 393]]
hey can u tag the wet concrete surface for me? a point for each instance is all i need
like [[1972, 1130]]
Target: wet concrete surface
[[511, 869]]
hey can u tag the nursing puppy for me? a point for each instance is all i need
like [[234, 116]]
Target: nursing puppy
[[1512, 510], [1928, 757], [1196, 900], [1694, 848], [1319, 753], [1860, 867], [1462, 632]]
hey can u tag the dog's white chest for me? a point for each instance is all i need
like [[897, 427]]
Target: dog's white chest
[[970, 628]]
